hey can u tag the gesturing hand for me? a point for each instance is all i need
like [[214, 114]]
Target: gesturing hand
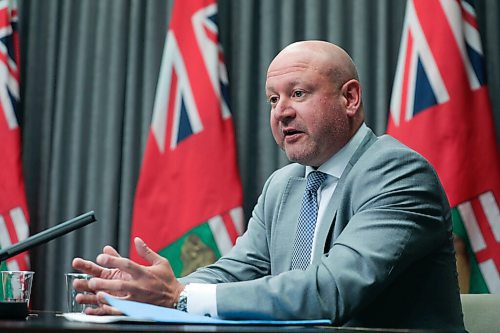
[[121, 277]]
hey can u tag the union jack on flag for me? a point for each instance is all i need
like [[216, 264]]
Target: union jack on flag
[[13, 209], [188, 199], [440, 107], [418, 84]]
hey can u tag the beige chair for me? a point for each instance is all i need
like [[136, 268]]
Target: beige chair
[[481, 312]]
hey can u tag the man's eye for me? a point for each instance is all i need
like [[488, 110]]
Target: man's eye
[[298, 93], [273, 99]]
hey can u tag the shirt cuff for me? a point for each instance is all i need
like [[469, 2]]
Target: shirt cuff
[[201, 299]]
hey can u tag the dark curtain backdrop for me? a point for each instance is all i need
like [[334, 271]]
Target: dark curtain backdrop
[[89, 72]]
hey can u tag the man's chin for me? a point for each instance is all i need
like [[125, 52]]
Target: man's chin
[[297, 158], [303, 158]]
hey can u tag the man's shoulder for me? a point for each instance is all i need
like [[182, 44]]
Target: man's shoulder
[[389, 142], [388, 146], [379, 148], [386, 156]]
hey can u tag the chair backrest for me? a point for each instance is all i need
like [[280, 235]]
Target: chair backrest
[[481, 312]]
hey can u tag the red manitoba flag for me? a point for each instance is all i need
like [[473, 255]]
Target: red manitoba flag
[[188, 198], [13, 210]]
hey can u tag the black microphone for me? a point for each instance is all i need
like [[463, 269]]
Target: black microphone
[[47, 235]]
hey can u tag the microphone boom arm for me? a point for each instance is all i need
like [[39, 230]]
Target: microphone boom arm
[[47, 235]]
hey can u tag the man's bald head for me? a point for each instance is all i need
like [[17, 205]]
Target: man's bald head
[[328, 58]]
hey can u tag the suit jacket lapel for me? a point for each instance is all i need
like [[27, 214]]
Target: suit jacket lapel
[[287, 221], [333, 206]]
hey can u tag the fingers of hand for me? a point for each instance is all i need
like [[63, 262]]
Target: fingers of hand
[[111, 251], [99, 311], [111, 310], [87, 266], [101, 297], [110, 261], [103, 310], [82, 285], [145, 252], [86, 299], [123, 264], [103, 303], [97, 284]]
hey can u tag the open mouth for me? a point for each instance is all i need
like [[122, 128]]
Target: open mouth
[[290, 132], [290, 135]]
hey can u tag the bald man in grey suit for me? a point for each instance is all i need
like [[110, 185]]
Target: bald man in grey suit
[[381, 252]]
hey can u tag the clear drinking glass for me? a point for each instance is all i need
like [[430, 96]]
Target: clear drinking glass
[[71, 292], [16, 286]]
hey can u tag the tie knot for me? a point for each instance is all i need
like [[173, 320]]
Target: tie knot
[[314, 180]]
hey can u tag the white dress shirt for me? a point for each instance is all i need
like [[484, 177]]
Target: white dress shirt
[[201, 297]]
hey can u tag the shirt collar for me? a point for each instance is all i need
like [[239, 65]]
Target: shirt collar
[[336, 164]]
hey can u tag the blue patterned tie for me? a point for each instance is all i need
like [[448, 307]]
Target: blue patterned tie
[[302, 247]]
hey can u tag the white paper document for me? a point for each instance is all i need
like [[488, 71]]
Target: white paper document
[[83, 318]]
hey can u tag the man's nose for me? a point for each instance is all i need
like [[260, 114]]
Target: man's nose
[[283, 109]]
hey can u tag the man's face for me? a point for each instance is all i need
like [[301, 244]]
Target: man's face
[[308, 118]]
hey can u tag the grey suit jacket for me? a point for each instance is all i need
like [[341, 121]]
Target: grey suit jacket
[[386, 255]]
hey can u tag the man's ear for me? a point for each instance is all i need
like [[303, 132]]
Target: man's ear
[[351, 91]]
